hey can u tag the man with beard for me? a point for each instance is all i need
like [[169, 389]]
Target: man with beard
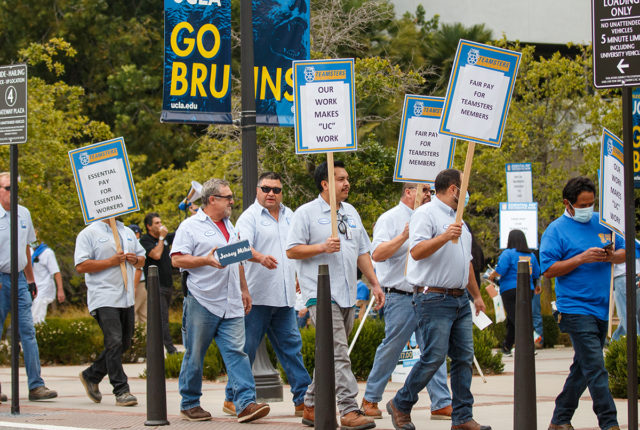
[[310, 243]]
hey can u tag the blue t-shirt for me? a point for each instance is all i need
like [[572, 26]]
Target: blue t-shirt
[[362, 291], [507, 268], [584, 290]]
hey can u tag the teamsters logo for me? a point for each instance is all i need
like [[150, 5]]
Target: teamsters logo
[[84, 158], [473, 56], [609, 148], [309, 73], [418, 108]]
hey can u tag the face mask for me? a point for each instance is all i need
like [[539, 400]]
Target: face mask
[[466, 198], [582, 215]]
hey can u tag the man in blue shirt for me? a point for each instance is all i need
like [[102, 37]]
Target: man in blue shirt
[[574, 251]]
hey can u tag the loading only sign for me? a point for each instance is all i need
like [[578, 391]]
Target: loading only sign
[[616, 42]]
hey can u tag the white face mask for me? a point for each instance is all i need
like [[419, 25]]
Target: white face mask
[[582, 215]]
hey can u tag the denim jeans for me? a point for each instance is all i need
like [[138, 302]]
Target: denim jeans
[[117, 325], [399, 323], [200, 327], [536, 315], [445, 325], [165, 302], [620, 297], [588, 334], [25, 326], [279, 324]]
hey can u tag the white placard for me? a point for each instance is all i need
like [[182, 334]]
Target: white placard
[[326, 110], [612, 182], [519, 216], [519, 182]]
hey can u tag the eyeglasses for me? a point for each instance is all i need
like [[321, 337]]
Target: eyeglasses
[[7, 188], [431, 192], [267, 190], [229, 197], [342, 225]]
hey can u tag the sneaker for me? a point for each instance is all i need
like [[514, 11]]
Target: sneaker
[[196, 414], [470, 425], [298, 410], [229, 408], [400, 420], [356, 420], [92, 389], [253, 412], [41, 393], [308, 415], [442, 413], [126, 399], [371, 409]]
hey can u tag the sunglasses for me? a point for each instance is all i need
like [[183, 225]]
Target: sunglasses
[[342, 225], [229, 197], [7, 188], [267, 190]]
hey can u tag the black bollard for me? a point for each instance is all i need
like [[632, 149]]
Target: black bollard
[[524, 407], [156, 389], [325, 398]]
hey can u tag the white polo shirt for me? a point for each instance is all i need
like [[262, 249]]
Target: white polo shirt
[[106, 287], [311, 224], [268, 236], [448, 267], [390, 272], [43, 272], [217, 290], [26, 235]]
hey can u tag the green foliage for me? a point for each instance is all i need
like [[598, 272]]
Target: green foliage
[[138, 350], [212, 368], [175, 329], [483, 341], [551, 331], [308, 350], [68, 341], [364, 351], [615, 361]]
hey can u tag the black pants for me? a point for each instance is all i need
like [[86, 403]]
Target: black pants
[[117, 326], [165, 303], [509, 301]]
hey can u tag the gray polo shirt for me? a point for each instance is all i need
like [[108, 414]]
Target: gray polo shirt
[[106, 287], [217, 290], [268, 236], [26, 235], [448, 267], [390, 272], [311, 225]]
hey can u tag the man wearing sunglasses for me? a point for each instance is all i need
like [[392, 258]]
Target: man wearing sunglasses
[[310, 244], [272, 285], [390, 247], [26, 235]]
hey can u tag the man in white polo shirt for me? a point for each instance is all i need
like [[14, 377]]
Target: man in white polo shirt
[[310, 244], [215, 305], [45, 272], [272, 284], [439, 271]]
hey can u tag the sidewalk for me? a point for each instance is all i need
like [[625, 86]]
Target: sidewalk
[[72, 409]]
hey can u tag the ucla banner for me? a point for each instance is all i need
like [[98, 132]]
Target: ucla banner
[[197, 61], [280, 36]]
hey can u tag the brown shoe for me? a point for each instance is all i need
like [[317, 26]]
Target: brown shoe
[[229, 408], [253, 412], [470, 425], [308, 415], [400, 420], [356, 420], [442, 413], [371, 409], [298, 410], [196, 414], [553, 426], [41, 393]]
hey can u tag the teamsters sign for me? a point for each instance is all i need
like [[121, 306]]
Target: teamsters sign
[[197, 61]]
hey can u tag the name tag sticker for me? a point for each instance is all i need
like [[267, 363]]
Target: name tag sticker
[[234, 253], [265, 222], [103, 240], [210, 233], [3, 227], [324, 221]]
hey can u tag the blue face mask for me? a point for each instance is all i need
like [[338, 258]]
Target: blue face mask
[[466, 199], [582, 215]]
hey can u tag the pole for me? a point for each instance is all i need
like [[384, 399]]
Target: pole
[[332, 195], [611, 301], [629, 237], [465, 184], [15, 346], [248, 114], [355, 337], [325, 401], [116, 238], [524, 381]]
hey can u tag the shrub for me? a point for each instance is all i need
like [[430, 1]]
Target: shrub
[[308, 335], [138, 348], [175, 329], [483, 341], [615, 361], [212, 367], [68, 341], [364, 351], [551, 331]]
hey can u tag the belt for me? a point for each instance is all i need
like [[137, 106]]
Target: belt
[[455, 292], [388, 290]]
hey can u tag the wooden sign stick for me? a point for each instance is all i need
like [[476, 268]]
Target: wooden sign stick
[[611, 301], [332, 195], [116, 238], [465, 184]]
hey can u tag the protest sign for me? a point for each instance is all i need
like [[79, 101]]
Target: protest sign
[[612, 182], [519, 182], [234, 253], [520, 216]]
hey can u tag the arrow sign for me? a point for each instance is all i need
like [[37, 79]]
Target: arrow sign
[[622, 66]]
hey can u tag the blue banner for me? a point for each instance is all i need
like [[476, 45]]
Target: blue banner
[[197, 61], [636, 136], [280, 36]]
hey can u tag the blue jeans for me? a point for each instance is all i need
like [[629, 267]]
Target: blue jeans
[[280, 326], [537, 315], [444, 323], [399, 323], [200, 327], [25, 326], [588, 334], [620, 297]]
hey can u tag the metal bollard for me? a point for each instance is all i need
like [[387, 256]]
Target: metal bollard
[[524, 407], [325, 399], [156, 388]]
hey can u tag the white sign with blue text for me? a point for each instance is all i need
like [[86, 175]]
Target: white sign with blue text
[[479, 93], [325, 109], [423, 151], [519, 183], [103, 180], [519, 216], [234, 253], [612, 182]]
